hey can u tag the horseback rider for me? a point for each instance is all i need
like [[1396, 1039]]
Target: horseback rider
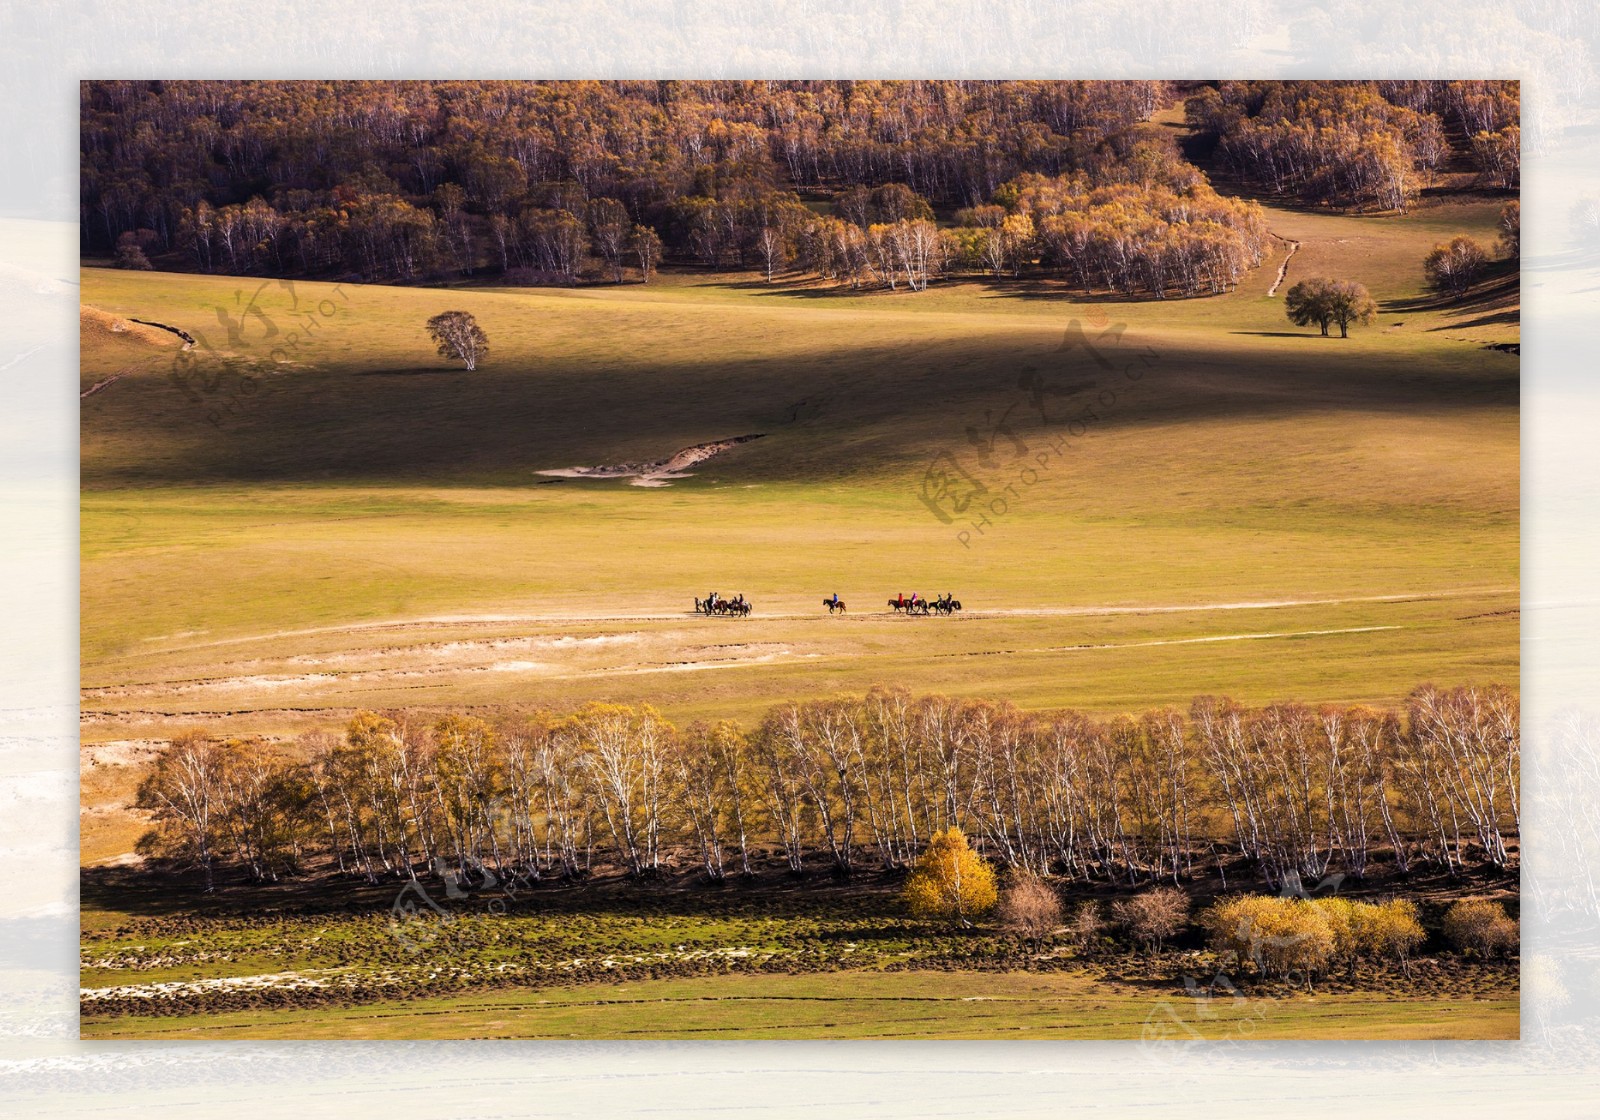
[[836, 598], [900, 600]]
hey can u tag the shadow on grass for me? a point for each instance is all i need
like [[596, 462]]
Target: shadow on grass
[[1022, 288], [419, 371], [1500, 291], [157, 894], [1498, 318], [1287, 334]]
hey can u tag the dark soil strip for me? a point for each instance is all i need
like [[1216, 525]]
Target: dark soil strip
[[188, 339]]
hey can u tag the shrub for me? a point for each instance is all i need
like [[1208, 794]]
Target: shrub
[[1345, 926], [1154, 916], [131, 251], [1031, 908], [1280, 935], [1087, 922], [950, 881], [1393, 932], [1481, 926], [1370, 931]]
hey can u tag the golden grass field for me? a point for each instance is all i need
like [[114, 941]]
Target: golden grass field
[[1265, 513]]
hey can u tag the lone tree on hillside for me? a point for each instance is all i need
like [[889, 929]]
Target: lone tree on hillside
[[1457, 266], [951, 881], [458, 336], [1349, 303], [1310, 302], [1324, 302]]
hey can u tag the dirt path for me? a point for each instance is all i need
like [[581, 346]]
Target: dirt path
[[660, 472], [490, 620], [1283, 269], [98, 385]]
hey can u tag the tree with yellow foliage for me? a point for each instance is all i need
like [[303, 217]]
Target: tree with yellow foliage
[[951, 881]]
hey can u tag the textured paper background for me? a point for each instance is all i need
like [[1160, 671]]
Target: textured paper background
[[46, 47]]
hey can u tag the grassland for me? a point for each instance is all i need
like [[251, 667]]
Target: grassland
[[900, 1005], [369, 528]]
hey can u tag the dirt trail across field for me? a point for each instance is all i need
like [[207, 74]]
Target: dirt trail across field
[[98, 385], [660, 472], [1283, 269], [491, 620]]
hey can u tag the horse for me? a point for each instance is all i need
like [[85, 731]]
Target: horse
[[834, 606], [919, 607], [898, 604], [947, 606], [721, 606], [739, 608]]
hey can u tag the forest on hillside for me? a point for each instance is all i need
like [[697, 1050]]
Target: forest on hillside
[[881, 183]]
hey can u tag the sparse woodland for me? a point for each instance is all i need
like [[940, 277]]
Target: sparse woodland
[[1288, 793]]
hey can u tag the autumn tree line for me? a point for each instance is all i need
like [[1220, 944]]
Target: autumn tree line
[[1371, 145], [883, 184], [859, 783]]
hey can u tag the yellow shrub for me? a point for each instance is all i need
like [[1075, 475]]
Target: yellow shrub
[[1370, 931], [1280, 935], [951, 881], [1482, 926]]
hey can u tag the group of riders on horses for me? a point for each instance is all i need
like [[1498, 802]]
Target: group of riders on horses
[[917, 604], [716, 604]]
